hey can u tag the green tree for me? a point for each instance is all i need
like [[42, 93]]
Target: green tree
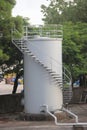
[[53, 12], [81, 10], [5, 29], [60, 11], [74, 47], [9, 54]]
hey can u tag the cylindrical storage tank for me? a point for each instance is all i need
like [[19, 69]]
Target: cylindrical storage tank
[[39, 86]]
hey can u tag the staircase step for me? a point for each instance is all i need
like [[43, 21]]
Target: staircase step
[[55, 74], [26, 51], [41, 64], [18, 42], [59, 85], [45, 67], [56, 77], [37, 61], [33, 57], [23, 48], [57, 82], [50, 70], [29, 51]]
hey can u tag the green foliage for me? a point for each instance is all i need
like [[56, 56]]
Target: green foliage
[[49, 17], [5, 8], [5, 28], [9, 54], [60, 11], [3, 57], [74, 47], [19, 22]]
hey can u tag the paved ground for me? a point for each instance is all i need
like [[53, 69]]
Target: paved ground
[[80, 110]]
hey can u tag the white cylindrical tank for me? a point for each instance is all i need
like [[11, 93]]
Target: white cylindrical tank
[[39, 87]]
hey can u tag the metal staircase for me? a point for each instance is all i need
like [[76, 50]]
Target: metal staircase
[[67, 86], [22, 45]]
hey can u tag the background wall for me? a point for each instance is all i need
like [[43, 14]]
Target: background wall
[[10, 103]]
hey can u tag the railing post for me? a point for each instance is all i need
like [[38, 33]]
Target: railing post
[[26, 32], [51, 62]]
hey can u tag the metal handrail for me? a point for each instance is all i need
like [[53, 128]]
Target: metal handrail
[[52, 31]]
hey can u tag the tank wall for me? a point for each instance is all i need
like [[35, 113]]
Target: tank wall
[[39, 88]]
